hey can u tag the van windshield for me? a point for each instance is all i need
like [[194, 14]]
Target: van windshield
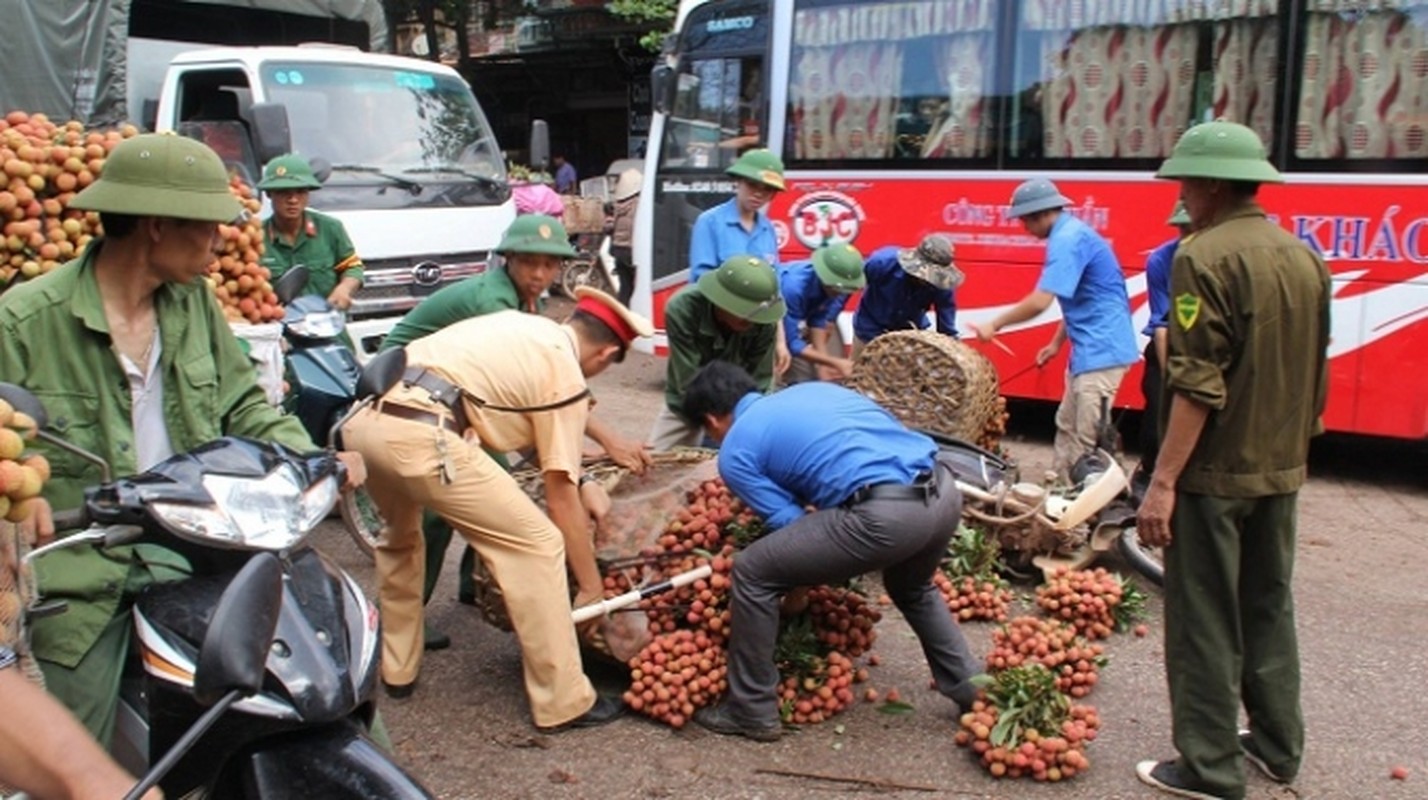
[[366, 120]]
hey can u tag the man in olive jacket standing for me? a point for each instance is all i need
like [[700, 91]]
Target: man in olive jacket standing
[[1246, 383]]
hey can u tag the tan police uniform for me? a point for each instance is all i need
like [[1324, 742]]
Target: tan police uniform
[[421, 454]]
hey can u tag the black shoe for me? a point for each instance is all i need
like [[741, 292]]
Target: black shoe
[[717, 719], [399, 692], [606, 709], [433, 639], [1167, 777], [1252, 756]]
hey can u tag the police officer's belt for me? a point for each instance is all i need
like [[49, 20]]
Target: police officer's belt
[[417, 415], [921, 489], [450, 395]]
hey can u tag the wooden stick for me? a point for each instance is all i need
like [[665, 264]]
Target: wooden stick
[[877, 782]]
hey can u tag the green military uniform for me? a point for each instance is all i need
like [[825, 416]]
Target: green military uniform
[[54, 339], [322, 244], [695, 339], [1248, 332], [486, 293]]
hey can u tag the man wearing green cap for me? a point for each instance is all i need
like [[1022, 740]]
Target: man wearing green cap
[[534, 249], [133, 361], [815, 292], [1246, 380], [732, 315], [295, 234]]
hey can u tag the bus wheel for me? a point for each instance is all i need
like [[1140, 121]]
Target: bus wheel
[[1148, 561]]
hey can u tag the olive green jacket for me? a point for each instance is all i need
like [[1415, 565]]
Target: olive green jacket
[[489, 292], [54, 341], [696, 338], [1248, 337]]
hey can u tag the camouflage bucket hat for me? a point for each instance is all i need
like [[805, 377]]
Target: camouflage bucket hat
[[839, 266], [162, 175], [536, 233], [1220, 150], [932, 262], [746, 287], [290, 171], [761, 166]]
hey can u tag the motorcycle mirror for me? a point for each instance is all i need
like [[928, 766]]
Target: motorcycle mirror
[[235, 648], [382, 372], [22, 400], [291, 283], [321, 168]]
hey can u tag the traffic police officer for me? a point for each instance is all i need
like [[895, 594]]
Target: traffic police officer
[[295, 234], [731, 314], [1246, 380]]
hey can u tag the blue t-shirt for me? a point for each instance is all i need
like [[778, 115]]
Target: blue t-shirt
[[718, 235], [807, 302], [815, 444], [1086, 278], [895, 301], [1157, 285]]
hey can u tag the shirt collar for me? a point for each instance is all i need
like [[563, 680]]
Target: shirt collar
[[746, 401]]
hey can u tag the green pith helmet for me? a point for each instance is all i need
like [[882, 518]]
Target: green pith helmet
[[839, 266], [287, 172], [162, 175], [746, 287], [1037, 194], [1179, 216], [761, 166], [536, 233], [1220, 150]]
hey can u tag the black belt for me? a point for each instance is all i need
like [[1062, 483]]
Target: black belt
[[921, 489], [417, 415]]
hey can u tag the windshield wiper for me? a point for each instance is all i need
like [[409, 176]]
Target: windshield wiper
[[410, 185], [455, 170]]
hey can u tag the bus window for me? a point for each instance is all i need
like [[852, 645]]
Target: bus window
[[879, 81], [716, 113], [1110, 80], [1364, 87]]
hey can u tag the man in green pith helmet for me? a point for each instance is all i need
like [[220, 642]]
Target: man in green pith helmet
[[815, 292], [731, 314], [1243, 401], [295, 234], [534, 249]]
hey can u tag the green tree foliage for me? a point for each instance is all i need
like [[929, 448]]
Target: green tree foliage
[[658, 13]]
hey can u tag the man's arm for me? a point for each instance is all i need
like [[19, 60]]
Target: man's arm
[[1187, 422], [46, 752], [703, 248], [562, 497], [946, 306], [1031, 305], [628, 453], [341, 296], [1160, 340]]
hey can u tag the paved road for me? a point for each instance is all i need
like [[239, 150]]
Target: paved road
[[1362, 610]]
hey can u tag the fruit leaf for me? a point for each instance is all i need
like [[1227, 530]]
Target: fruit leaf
[[895, 707]]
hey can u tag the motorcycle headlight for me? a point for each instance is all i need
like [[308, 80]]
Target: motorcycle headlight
[[269, 513], [320, 325]]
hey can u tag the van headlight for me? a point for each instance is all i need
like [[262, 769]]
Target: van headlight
[[269, 513]]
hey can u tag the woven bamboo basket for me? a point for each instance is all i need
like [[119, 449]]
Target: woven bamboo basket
[[641, 506], [929, 381]]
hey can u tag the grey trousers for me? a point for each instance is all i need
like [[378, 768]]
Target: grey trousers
[[903, 538]]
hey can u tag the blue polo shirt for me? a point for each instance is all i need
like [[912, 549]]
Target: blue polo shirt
[[1157, 285], [815, 444], [718, 235], [1086, 278], [807, 302], [895, 301]]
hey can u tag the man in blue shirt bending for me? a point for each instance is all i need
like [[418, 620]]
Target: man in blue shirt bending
[[815, 292], [881, 499], [903, 283], [1083, 275]]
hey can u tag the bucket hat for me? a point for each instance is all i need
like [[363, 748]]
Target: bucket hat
[[162, 175], [1037, 194], [289, 171], [746, 287], [839, 266], [1222, 150], [536, 233], [931, 261], [761, 166], [627, 185]]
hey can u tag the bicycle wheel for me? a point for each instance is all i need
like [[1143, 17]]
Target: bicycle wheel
[[361, 519], [1148, 561]]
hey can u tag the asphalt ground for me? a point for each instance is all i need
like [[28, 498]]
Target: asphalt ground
[[1362, 604]]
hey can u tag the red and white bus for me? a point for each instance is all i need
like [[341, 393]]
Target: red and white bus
[[902, 118]]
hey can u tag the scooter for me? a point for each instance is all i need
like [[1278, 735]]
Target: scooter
[[321, 368], [303, 734]]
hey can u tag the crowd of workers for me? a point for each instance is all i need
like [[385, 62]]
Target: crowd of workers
[[136, 363]]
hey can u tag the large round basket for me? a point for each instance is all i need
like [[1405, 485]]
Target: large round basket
[[929, 381]]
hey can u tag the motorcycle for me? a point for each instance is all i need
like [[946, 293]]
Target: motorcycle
[[1052, 527], [321, 368], [221, 506]]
